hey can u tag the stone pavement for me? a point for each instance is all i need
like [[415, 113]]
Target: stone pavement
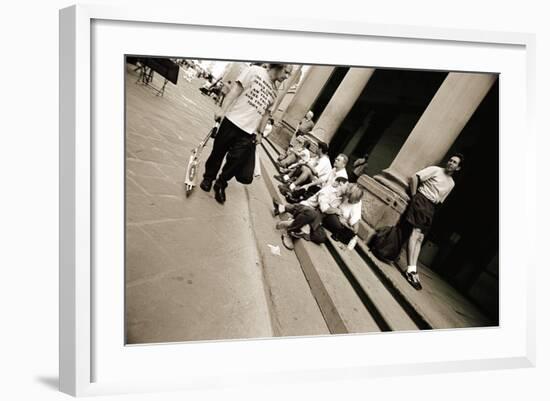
[[197, 270], [191, 264]]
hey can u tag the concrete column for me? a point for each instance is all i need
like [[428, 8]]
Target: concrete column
[[437, 129], [307, 93], [309, 89], [341, 102], [283, 90]]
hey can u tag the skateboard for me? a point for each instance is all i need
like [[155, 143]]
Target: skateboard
[[194, 161]]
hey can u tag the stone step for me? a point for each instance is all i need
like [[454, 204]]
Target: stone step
[[276, 148], [380, 301], [268, 171], [342, 309], [272, 151], [438, 305], [293, 309]]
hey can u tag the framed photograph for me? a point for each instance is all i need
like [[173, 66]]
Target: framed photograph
[[290, 201]]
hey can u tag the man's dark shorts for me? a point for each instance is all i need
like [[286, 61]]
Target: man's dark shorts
[[420, 213]]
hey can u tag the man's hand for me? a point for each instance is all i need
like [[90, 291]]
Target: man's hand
[[218, 115]]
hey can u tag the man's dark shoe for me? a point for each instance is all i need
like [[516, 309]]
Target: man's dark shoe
[[275, 208], [287, 241], [279, 178], [219, 194], [414, 280], [299, 234], [206, 185], [290, 198], [283, 189]]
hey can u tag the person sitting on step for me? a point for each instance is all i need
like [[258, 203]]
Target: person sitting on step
[[298, 154], [343, 223], [310, 213], [307, 172], [295, 193]]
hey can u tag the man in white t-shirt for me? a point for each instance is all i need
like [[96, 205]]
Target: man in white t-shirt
[[321, 177], [429, 187], [319, 166], [244, 116], [339, 170]]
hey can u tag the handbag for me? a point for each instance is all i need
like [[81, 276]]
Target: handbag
[[386, 244]]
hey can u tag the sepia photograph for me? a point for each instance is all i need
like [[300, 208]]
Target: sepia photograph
[[269, 199]]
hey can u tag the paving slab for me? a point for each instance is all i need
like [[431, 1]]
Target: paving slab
[[141, 168], [192, 266]]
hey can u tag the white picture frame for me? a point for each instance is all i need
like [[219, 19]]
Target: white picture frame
[[92, 363]]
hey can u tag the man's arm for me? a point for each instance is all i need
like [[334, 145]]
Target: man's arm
[[263, 123], [318, 181], [234, 93]]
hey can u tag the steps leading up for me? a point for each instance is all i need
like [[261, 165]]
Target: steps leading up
[[438, 304], [380, 301], [341, 307]]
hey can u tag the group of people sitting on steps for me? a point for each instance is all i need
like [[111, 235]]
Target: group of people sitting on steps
[[318, 195]]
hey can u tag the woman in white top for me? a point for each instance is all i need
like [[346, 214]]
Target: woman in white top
[[343, 222]]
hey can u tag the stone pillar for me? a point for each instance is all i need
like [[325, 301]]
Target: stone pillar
[[311, 86], [283, 90], [435, 132], [341, 102]]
